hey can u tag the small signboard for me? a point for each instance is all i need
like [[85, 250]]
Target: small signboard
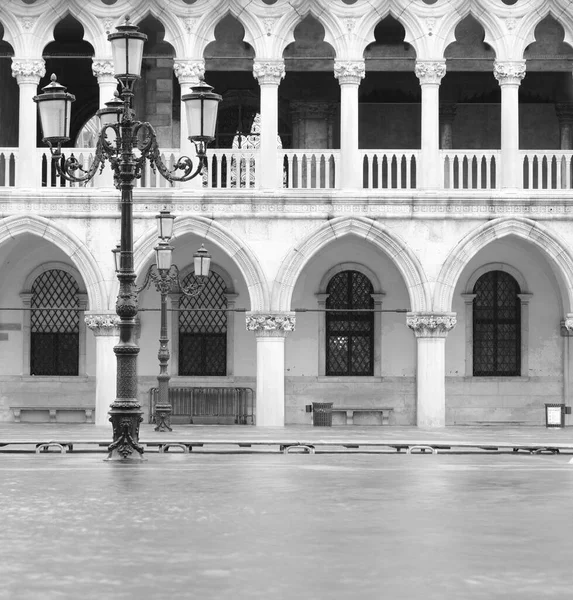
[[554, 415]]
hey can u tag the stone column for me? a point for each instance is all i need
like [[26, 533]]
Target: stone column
[[430, 74], [469, 318], [447, 116], [349, 74], [567, 334], [189, 72], [270, 331], [103, 70], [564, 111], [28, 73], [106, 329], [431, 330], [269, 74], [509, 74]]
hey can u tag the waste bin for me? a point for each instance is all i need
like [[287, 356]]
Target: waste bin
[[555, 415], [322, 414]]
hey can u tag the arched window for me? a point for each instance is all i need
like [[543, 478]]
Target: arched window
[[349, 335], [203, 333], [54, 343], [496, 325]]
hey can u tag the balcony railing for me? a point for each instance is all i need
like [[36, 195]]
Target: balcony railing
[[236, 169], [390, 169], [470, 169], [8, 164], [547, 169], [310, 169]]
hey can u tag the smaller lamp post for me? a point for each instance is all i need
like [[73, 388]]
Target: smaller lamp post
[[165, 276]]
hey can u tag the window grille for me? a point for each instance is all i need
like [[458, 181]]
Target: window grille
[[496, 325], [350, 335], [54, 343], [202, 333]]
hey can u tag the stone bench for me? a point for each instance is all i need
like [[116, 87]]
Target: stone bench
[[52, 410], [351, 410]]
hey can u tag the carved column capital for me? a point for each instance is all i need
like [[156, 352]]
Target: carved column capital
[[29, 70], [349, 71], [103, 324], [568, 322], [189, 71], [103, 67], [431, 324], [270, 325], [509, 72], [269, 71], [430, 71]]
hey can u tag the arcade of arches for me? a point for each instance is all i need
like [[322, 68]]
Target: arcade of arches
[[387, 203]]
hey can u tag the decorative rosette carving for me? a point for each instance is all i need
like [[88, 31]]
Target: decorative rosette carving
[[269, 71], [430, 71], [349, 71], [107, 324], [28, 70], [509, 72], [271, 324], [189, 71], [431, 324]]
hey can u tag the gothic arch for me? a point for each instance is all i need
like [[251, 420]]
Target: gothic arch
[[405, 260], [526, 229], [350, 266], [64, 239], [526, 34], [211, 231], [517, 275]]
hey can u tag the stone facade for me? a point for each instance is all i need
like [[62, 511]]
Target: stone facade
[[424, 151]]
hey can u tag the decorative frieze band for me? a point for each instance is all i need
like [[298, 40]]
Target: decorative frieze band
[[431, 324], [104, 325], [189, 71], [509, 72], [28, 70], [271, 324], [430, 71], [350, 71], [269, 71]]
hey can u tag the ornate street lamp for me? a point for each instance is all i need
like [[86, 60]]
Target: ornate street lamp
[[126, 144], [165, 276]]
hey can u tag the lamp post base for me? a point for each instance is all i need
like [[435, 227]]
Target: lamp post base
[[163, 417], [125, 418]]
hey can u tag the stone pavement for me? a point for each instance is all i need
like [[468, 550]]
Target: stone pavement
[[231, 435]]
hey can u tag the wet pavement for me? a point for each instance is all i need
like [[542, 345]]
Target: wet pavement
[[273, 526], [214, 436]]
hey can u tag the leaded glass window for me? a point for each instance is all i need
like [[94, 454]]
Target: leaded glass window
[[55, 333], [203, 333], [496, 325], [349, 335]]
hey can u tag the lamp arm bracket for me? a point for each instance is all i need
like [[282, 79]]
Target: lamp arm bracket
[[149, 149], [192, 290], [164, 281], [71, 165]]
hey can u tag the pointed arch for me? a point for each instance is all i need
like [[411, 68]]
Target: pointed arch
[[405, 260], [211, 231], [526, 229], [526, 33], [494, 36], [65, 240]]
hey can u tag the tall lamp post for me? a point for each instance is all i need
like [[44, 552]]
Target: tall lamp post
[[165, 276], [126, 144]]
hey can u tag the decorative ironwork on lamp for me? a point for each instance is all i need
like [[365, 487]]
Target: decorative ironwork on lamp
[[126, 144]]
